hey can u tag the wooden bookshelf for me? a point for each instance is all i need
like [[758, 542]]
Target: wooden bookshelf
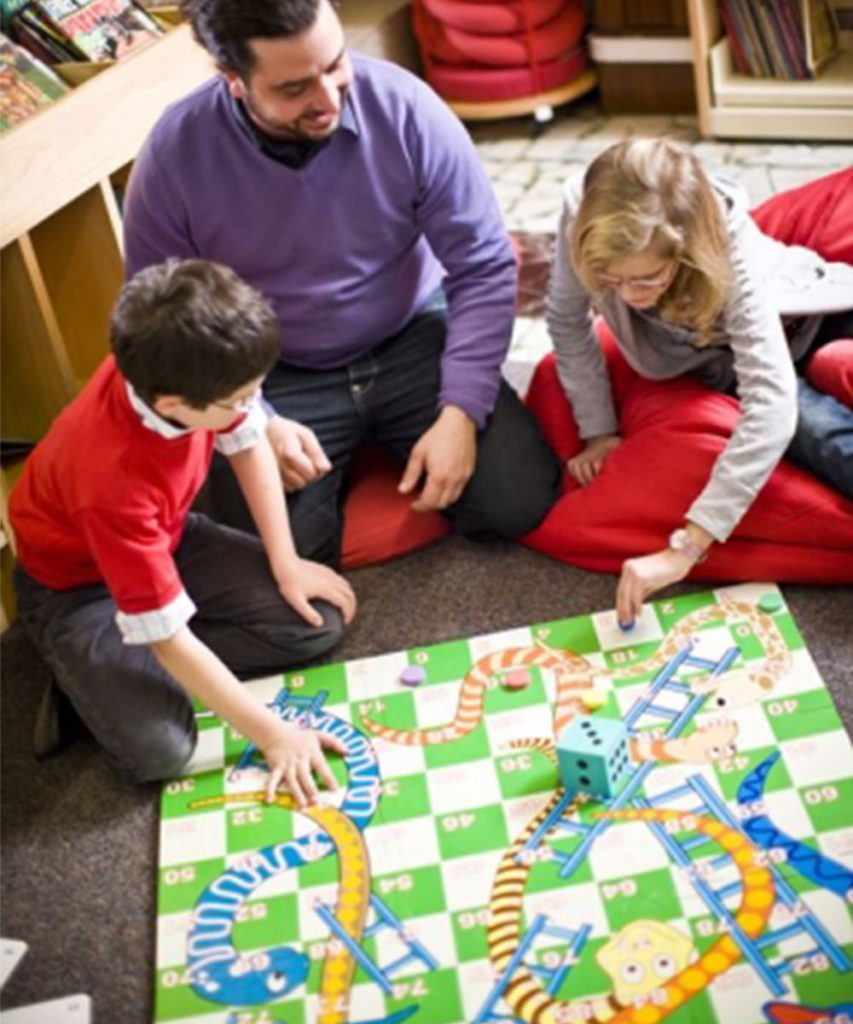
[[737, 106], [61, 263]]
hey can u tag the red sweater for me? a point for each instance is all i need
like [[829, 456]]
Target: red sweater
[[104, 498]]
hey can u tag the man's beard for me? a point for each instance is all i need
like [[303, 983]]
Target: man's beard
[[287, 131]]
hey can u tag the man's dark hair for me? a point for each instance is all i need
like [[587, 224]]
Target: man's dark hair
[[224, 27], [192, 328]]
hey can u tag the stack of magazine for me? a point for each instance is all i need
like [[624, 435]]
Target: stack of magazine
[[26, 84], [784, 39], [57, 31]]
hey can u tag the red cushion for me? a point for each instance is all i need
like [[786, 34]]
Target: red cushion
[[797, 530], [450, 45], [830, 370], [378, 521], [818, 215], [490, 18], [486, 85]]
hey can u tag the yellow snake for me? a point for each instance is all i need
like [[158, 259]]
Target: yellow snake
[[353, 895]]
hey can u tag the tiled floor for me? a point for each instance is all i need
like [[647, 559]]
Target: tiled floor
[[528, 172]]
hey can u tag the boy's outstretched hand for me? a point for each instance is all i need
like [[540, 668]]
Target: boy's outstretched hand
[[293, 756], [586, 465], [304, 580]]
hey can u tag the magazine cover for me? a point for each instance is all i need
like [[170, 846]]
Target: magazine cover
[[26, 85], [102, 29]]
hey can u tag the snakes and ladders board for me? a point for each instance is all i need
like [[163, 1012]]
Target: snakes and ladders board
[[451, 880]]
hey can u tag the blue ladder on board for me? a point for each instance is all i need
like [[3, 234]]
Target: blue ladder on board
[[665, 680], [385, 918], [554, 976], [292, 708], [754, 950]]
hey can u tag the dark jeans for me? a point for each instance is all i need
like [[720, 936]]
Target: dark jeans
[[823, 442], [131, 705], [390, 397]]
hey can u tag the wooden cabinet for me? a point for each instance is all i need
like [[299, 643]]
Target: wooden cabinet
[[644, 56], [652, 17], [60, 235], [734, 105]]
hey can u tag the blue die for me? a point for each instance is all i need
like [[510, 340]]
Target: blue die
[[593, 756]]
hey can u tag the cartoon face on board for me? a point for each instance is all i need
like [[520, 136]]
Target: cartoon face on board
[[642, 957]]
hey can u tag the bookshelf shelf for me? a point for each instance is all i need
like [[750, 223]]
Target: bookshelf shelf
[[61, 262], [735, 105]]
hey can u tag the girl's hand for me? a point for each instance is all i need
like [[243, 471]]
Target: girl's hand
[[643, 576], [303, 580], [586, 466], [293, 755]]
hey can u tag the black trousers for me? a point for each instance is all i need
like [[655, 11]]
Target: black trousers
[[390, 397], [132, 706]]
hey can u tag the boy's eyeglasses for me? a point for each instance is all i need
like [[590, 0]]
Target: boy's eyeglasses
[[661, 278]]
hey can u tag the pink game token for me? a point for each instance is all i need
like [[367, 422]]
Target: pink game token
[[518, 679], [413, 675]]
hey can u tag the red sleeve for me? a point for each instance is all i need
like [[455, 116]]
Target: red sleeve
[[133, 554]]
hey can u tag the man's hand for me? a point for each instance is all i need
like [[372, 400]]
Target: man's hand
[[643, 576], [301, 580], [586, 466], [293, 755], [446, 455], [300, 456]]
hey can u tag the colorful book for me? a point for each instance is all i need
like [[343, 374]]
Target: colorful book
[[30, 29], [26, 85], [101, 29]]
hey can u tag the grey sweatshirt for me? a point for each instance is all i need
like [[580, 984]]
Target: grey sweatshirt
[[748, 349]]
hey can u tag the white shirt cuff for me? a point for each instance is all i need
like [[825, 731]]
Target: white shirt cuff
[[159, 624], [247, 434]]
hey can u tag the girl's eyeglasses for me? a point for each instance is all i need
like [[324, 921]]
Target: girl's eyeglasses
[[661, 278]]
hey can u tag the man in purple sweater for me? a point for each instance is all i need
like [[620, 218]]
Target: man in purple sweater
[[343, 189]]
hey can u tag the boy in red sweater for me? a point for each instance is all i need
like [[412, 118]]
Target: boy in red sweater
[[136, 602]]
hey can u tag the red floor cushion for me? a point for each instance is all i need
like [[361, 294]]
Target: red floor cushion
[[378, 521], [486, 85], [818, 215], [546, 42], [490, 18], [797, 530]]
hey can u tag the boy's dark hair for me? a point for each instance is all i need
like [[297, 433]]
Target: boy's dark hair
[[224, 27], [192, 328]]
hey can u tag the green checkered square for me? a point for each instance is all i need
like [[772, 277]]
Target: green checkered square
[[254, 826], [576, 635], [180, 793], [829, 804], [650, 894], [472, 831], [443, 663], [403, 797], [180, 885], [411, 893], [808, 713]]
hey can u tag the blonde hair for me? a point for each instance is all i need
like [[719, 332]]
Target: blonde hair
[[652, 193]]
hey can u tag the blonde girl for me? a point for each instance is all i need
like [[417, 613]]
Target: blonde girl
[[688, 283]]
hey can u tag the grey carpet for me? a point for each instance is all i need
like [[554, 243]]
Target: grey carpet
[[80, 842]]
